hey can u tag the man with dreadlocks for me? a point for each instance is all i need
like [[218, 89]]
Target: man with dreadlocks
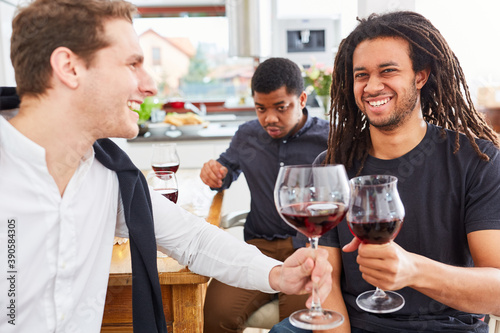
[[401, 106]]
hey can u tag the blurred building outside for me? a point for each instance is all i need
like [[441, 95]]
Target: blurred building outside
[[167, 58], [195, 73]]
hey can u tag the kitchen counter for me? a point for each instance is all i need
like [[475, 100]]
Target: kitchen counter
[[212, 131], [220, 126]]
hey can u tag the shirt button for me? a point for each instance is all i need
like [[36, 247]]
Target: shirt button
[[281, 163]]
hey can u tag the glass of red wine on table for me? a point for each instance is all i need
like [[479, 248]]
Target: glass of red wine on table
[[165, 183], [164, 157], [375, 216], [313, 200]]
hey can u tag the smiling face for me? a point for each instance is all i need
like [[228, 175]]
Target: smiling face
[[386, 88], [280, 113], [116, 83]]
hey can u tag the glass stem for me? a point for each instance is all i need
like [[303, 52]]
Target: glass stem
[[316, 302], [379, 293]]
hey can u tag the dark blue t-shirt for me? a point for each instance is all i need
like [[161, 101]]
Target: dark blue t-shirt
[[446, 196], [253, 152]]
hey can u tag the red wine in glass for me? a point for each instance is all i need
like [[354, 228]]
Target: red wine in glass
[[314, 218], [165, 157], [375, 232], [312, 200], [166, 167], [165, 183], [375, 216], [169, 193]]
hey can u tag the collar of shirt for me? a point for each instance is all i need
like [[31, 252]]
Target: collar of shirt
[[26, 150], [303, 129], [20, 146]]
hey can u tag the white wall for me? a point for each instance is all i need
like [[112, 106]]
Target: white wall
[[367, 7], [7, 11], [471, 29]]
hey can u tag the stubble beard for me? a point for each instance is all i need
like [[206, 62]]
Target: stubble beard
[[400, 115]]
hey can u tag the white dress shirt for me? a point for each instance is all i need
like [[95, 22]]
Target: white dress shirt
[[55, 252]]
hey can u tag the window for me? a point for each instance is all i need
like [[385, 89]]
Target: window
[[188, 58], [156, 56]]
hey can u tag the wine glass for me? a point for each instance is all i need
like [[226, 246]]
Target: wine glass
[[164, 157], [375, 216], [313, 200], [165, 183]]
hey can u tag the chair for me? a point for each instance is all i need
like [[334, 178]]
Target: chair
[[234, 219], [494, 324], [267, 315]]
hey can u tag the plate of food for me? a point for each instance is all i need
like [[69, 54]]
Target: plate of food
[[187, 123], [190, 129]]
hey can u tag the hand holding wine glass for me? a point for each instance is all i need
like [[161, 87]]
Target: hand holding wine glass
[[300, 269], [375, 216], [165, 157], [313, 200], [165, 183]]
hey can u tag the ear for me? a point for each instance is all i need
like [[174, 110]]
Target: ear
[[303, 100], [421, 77], [65, 65]]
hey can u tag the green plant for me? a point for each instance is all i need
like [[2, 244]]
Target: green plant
[[146, 109]]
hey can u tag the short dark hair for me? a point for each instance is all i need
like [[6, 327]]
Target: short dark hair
[[274, 73]]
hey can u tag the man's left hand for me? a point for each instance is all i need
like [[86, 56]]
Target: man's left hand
[[387, 266]]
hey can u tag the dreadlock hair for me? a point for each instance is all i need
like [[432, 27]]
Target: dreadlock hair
[[445, 97]]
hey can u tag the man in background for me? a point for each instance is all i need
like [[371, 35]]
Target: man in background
[[283, 134]]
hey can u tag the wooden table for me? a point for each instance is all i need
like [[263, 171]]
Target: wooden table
[[183, 291]]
